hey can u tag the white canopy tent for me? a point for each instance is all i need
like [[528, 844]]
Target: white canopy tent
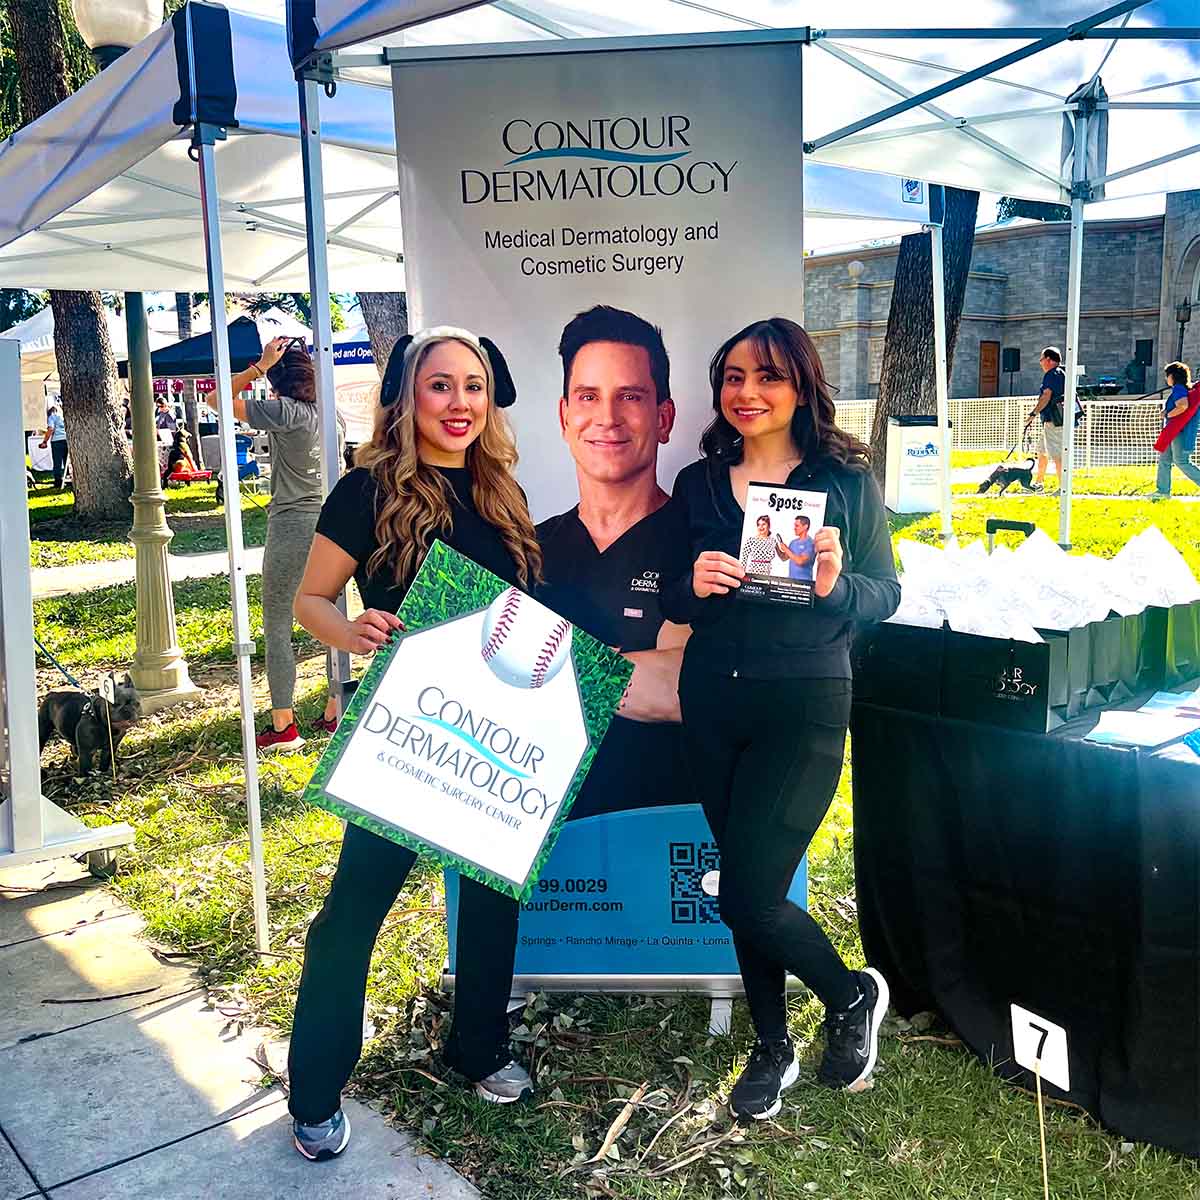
[[878, 92], [39, 365], [118, 186]]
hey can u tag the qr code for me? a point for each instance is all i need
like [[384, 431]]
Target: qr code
[[690, 903]]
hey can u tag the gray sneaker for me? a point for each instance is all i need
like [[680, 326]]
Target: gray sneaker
[[318, 1143], [505, 1086]]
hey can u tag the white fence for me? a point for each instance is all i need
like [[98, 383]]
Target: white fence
[[1114, 433]]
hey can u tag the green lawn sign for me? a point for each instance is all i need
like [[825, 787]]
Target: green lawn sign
[[473, 730]]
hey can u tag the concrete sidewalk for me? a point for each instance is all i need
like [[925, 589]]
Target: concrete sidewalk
[[61, 581], [119, 1081]]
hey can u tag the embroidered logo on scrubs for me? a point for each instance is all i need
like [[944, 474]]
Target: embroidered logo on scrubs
[[647, 581]]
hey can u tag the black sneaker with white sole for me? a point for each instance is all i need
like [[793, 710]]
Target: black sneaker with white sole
[[772, 1069], [852, 1036]]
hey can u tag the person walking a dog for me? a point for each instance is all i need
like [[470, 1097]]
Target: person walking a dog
[[1050, 408]]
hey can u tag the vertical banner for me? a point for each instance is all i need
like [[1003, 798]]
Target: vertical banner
[[667, 182], [664, 181]]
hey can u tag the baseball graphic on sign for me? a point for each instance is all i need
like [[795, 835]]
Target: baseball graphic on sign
[[524, 643]]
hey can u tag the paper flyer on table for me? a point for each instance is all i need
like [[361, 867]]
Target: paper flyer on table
[[777, 549]]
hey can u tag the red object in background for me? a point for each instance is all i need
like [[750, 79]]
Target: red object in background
[[203, 386], [1174, 427]]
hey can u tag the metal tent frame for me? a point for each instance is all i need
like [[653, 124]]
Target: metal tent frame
[[112, 139], [333, 57]]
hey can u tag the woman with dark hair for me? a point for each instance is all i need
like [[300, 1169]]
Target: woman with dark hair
[[289, 417], [760, 549], [1181, 445], [765, 689], [440, 465]]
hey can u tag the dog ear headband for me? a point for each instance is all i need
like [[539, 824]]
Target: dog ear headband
[[505, 390]]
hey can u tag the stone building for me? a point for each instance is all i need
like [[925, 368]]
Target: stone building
[[1135, 272]]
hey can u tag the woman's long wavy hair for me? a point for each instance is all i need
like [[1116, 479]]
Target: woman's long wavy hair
[[414, 499], [784, 345]]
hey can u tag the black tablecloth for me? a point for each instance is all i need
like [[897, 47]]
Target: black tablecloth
[[996, 867]]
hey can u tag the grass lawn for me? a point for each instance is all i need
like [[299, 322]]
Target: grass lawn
[[58, 540], [1102, 481], [1097, 527], [936, 1126]]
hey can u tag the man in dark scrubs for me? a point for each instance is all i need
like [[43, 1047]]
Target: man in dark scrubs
[[607, 559]]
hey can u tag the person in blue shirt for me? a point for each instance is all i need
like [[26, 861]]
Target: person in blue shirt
[[1183, 445], [1050, 408], [56, 436], [800, 551]]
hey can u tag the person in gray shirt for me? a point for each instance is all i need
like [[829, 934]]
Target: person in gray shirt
[[289, 417]]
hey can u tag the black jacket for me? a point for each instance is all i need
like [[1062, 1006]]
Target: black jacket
[[775, 640]]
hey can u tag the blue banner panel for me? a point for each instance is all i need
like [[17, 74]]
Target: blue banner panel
[[627, 893]]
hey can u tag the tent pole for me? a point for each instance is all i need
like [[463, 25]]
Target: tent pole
[[243, 647], [800, 198], [316, 234], [941, 383], [1074, 291]]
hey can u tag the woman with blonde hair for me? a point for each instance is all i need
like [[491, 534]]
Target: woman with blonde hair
[[440, 465]]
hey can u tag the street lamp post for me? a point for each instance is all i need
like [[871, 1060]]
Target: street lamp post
[[159, 670], [1183, 314]]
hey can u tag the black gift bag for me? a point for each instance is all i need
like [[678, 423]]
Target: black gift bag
[[1104, 673], [899, 666], [999, 681], [1182, 644], [1143, 650], [1071, 694]]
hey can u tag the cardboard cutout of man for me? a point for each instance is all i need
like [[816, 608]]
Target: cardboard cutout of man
[[607, 559]]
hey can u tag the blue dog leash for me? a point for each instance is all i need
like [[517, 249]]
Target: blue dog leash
[[63, 670]]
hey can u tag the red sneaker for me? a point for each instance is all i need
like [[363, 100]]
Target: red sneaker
[[280, 739], [322, 725]]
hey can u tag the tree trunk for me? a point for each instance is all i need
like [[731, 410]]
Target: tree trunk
[[906, 381], [94, 416], [101, 465], [386, 315], [191, 415]]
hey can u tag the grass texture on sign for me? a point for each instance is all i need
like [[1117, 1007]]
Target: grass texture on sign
[[448, 586]]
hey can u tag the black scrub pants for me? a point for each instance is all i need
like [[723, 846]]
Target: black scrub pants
[[327, 1030], [765, 756]]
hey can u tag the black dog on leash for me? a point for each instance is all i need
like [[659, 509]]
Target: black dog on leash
[[1005, 477], [83, 720]]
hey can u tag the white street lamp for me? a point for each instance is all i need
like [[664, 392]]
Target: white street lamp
[[110, 27], [159, 670]]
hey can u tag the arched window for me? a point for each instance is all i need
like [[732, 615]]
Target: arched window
[[1189, 275]]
